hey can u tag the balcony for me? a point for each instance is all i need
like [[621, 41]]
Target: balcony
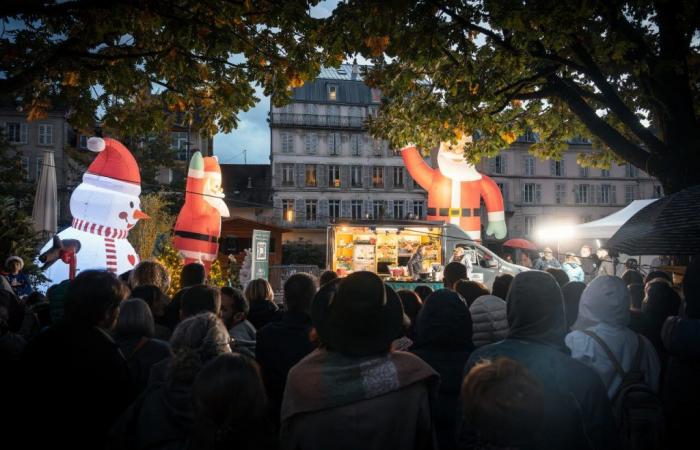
[[311, 121], [296, 222]]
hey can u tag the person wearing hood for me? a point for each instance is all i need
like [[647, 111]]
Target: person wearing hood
[[353, 392], [261, 298], [577, 412], [660, 302], [489, 320], [572, 297], [603, 316], [572, 267], [681, 339], [443, 339]]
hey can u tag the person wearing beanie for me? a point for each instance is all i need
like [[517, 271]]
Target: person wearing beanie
[[577, 408], [353, 392]]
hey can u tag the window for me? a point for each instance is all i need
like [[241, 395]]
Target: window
[[287, 142], [356, 145], [45, 134], [378, 177], [502, 188], [334, 144], [334, 177], [398, 209], [419, 208], [82, 142], [378, 209], [333, 209], [583, 172], [16, 132], [332, 92], [530, 222], [287, 174], [398, 176], [529, 165], [377, 147], [658, 192], [605, 194], [532, 193], [39, 166], [376, 95], [372, 111], [311, 206], [178, 142], [631, 171], [605, 173], [559, 194], [356, 209], [582, 193], [630, 193], [25, 166], [498, 165], [311, 143], [556, 168], [288, 210], [356, 176], [311, 175]]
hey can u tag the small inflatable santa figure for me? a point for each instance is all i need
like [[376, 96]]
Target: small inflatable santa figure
[[455, 190], [198, 225], [105, 206]]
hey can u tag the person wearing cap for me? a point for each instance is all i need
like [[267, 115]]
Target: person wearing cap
[[19, 281], [572, 267], [353, 392], [546, 261]]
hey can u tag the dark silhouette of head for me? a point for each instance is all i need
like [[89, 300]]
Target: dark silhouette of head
[[192, 274], [93, 299], [299, 290], [632, 277], [471, 290], [559, 275], [234, 306], [454, 272], [423, 291], [200, 298], [327, 276], [501, 284]]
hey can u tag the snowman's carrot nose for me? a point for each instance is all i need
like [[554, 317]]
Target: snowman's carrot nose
[[138, 214]]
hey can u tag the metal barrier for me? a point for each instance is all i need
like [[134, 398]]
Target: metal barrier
[[278, 275]]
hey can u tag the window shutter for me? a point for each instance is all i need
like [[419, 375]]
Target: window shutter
[[522, 193], [387, 177], [506, 195], [366, 176], [278, 175], [390, 209], [552, 168], [538, 193], [492, 165], [23, 133], [277, 205], [577, 196], [323, 213], [613, 195], [504, 160], [300, 169], [322, 175], [299, 210], [598, 194], [345, 176], [563, 167], [524, 163], [345, 208], [368, 209]]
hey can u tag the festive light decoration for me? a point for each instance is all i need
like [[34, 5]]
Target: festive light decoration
[[105, 206], [455, 189], [198, 225]]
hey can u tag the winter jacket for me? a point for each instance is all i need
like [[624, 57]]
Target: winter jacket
[[489, 320], [141, 356], [577, 412], [444, 340], [574, 271], [604, 310], [544, 264], [263, 312], [245, 335]]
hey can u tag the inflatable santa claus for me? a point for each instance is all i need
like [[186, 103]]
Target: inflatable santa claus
[[455, 190], [198, 225], [105, 206]]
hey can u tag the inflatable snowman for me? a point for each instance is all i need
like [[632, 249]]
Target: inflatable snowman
[[105, 206]]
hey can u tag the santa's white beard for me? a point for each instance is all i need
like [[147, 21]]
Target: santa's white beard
[[458, 170], [218, 203]]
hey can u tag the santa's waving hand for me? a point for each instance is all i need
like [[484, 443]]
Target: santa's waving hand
[[455, 190]]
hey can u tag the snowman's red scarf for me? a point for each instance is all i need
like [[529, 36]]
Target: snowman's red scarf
[[100, 230]]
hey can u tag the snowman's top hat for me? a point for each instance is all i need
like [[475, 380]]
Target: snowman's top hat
[[114, 168]]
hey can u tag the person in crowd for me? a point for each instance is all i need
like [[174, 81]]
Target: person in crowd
[[157, 301], [559, 275], [525, 260], [504, 403], [589, 263], [76, 364], [577, 410], [229, 401], [423, 291], [637, 321], [261, 299], [134, 334], [38, 305], [192, 274], [654, 274], [161, 418], [508, 258], [415, 262], [572, 267], [547, 260], [631, 276], [601, 327], [11, 342], [681, 339], [660, 302], [19, 281], [412, 305], [632, 264], [659, 262], [150, 273], [501, 284], [444, 340], [234, 313], [605, 263], [353, 392], [462, 256], [282, 344], [471, 290], [489, 318], [454, 271], [326, 276], [572, 297]]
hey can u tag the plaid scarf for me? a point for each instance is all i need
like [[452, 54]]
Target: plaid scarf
[[326, 379]]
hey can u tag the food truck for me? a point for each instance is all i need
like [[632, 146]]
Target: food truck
[[385, 248]]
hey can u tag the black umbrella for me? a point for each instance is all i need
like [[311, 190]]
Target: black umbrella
[[669, 226]]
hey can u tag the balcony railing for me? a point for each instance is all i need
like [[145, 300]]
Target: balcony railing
[[316, 121]]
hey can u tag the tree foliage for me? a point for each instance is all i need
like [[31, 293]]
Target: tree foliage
[[623, 73], [303, 252], [146, 232], [140, 62]]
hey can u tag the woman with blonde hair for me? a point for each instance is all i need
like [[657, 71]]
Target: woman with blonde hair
[[261, 297], [150, 273]]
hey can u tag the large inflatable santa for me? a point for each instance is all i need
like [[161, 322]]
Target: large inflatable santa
[[455, 189], [198, 225], [105, 206]]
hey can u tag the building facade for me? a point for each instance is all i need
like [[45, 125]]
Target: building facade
[[326, 166]]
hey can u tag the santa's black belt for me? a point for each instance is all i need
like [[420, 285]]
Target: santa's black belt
[[197, 236], [454, 212]]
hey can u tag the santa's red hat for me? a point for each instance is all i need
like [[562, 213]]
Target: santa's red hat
[[114, 168]]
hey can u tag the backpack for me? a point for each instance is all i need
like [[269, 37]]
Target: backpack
[[636, 407]]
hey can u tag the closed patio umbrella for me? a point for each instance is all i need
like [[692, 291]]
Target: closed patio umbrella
[[45, 212]]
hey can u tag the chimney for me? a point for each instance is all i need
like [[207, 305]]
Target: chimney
[[250, 182], [355, 69]]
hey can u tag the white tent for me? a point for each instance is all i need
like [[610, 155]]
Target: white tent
[[607, 226]]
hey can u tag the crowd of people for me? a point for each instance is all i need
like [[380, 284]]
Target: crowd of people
[[540, 360]]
